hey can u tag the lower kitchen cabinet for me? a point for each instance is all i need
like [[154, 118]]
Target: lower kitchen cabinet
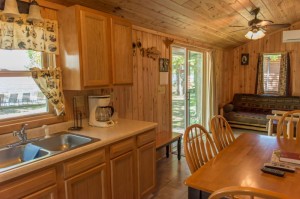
[[123, 176], [146, 156], [48, 193], [41, 184], [90, 184], [121, 170]]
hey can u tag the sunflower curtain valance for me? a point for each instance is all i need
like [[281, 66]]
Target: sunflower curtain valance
[[17, 33], [49, 81]]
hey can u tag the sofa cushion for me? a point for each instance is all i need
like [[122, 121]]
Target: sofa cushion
[[247, 117]]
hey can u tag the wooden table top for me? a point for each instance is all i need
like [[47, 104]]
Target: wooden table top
[[240, 164], [165, 138]]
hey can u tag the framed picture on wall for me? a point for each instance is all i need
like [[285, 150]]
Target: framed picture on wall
[[163, 65], [245, 59]]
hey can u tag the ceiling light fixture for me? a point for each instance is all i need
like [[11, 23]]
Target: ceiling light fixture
[[34, 12], [11, 9], [255, 34]]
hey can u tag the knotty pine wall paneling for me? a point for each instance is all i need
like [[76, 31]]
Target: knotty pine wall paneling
[[141, 101], [242, 79]]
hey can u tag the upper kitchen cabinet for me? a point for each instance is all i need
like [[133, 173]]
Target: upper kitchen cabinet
[[85, 48], [96, 49], [121, 51]]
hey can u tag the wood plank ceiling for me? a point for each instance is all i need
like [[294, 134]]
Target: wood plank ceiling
[[206, 21]]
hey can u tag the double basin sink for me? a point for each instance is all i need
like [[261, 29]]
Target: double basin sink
[[12, 157]]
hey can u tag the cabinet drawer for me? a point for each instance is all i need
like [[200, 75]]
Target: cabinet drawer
[[122, 147], [145, 138], [83, 163], [28, 184]]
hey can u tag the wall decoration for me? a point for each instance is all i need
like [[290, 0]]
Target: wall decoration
[[150, 52], [163, 65], [245, 59], [168, 42]]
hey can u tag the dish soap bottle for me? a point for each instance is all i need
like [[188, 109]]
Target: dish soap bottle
[[46, 128]]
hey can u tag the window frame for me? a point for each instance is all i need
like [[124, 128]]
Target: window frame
[[271, 92], [33, 120]]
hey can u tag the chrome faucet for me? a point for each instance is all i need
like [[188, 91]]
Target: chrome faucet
[[22, 135]]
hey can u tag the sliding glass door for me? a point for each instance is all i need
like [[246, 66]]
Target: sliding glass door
[[187, 66]]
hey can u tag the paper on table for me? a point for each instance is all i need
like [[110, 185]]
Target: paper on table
[[275, 158]]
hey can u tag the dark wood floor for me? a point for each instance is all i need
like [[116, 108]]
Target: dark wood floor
[[171, 174]]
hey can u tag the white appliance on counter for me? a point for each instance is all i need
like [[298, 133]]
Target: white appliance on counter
[[100, 111]]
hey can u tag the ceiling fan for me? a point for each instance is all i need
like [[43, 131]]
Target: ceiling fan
[[258, 27]]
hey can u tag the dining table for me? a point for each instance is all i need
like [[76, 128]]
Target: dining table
[[240, 164]]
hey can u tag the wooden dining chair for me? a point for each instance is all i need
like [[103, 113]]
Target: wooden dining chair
[[289, 125], [199, 148], [236, 192], [221, 132]]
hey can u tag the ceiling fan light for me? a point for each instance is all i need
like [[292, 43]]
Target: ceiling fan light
[[249, 35], [260, 34], [255, 35]]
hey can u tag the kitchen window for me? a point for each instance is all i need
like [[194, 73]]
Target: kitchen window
[[19, 94]]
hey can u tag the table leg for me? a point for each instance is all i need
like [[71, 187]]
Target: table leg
[[167, 151], [197, 194], [270, 127], [179, 148]]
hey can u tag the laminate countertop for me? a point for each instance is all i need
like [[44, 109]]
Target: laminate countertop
[[123, 129]]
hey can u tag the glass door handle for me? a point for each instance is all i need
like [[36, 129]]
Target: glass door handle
[[188, 95]]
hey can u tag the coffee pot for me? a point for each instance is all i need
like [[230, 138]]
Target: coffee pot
[[100, 111], [104, 113]]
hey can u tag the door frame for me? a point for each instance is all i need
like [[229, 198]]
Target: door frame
[[187, 48]]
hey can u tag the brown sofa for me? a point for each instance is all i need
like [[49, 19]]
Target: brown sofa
[[249, 111]]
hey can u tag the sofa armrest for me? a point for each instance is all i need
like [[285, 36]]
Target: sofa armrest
[[226, 109]]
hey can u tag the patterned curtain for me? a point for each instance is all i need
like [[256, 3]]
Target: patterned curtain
[[284, 75], [19, 34], [260, 75], [49, 81]]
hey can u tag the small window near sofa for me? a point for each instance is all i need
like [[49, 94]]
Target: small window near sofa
[[19, 94], [271, 68]]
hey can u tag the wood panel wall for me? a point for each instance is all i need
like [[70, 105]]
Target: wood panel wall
[[146, 99], [237, 78], [142, 100]]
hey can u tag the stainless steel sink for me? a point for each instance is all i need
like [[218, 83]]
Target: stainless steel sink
[[63, 142], [13, 157]]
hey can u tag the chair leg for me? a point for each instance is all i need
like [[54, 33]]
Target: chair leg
[[179, 148]]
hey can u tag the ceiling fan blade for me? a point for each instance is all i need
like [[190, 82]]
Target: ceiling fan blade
[[239, 30], [285, 25], [265, 22], [237, 26]]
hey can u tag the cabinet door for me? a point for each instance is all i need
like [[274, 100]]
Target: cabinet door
[[28, 184], [91, 184], [146, 169], [122, 176], [48, 193], [122, 59], [95, 37]]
